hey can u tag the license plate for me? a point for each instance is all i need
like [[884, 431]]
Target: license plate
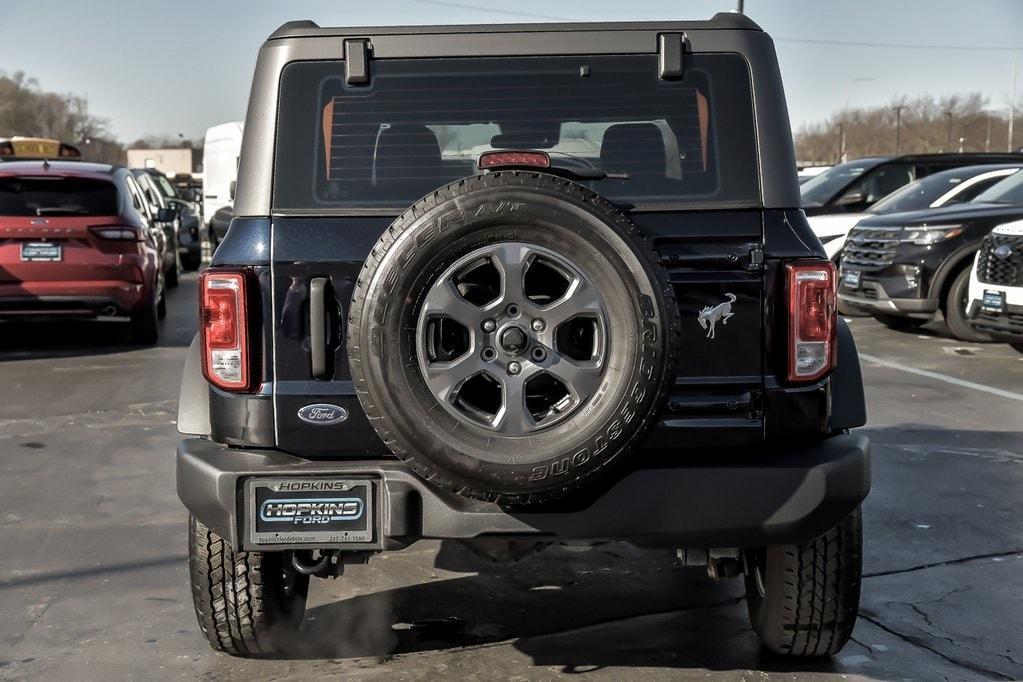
[[41, 251], [993, 301], [851, 279], [297, 511]]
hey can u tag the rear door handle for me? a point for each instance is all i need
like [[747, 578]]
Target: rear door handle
[[318, 326]]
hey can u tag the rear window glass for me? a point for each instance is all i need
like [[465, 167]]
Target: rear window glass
[[422, 123], [57, 196]]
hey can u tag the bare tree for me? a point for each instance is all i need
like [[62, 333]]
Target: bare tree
[[924, 124]]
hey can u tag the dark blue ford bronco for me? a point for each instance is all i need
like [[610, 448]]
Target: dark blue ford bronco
[[513, 286]]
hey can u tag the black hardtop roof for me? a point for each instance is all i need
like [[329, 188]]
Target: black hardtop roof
[[720, 21]]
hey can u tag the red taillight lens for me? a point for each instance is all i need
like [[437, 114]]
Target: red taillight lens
[[117, 232], [812, 319], [223, 329], [499, 159]]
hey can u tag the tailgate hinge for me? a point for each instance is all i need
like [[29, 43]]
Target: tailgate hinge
[[671, 48], [756, 258], [357, 61]]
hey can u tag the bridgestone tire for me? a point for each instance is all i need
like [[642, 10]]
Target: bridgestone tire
[[955, 313], [803, 599], [241, 601], [554, 214]]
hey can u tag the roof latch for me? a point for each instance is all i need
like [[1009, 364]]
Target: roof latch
[[357, 61], [670, 55]]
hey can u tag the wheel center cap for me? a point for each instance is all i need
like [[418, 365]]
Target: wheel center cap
[[514, 340]]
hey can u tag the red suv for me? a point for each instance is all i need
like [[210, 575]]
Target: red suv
[[75, 242]]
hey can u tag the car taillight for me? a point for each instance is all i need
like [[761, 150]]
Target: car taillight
[[812, 319], [223, 329], [117, 232]]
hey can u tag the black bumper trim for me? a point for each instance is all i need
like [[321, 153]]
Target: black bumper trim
[[779, 496]]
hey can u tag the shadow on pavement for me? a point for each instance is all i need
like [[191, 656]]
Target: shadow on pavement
[[615, 605]]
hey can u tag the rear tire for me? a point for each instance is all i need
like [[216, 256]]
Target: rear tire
[[803, 599], [145, 324], [170, 277], [248, 604], [955, 310], [901, 324], [1017, 346]]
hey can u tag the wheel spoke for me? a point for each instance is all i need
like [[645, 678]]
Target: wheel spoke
[[444, 378], [582, 298], [444, 299], [511, 259], [514, 418], [581, 378]]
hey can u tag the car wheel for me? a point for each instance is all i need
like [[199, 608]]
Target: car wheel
[[898, 323], [803, 599], [544, 337], [248, 604], [170, 277], [1017, 346], [145, 324], [955, 310]]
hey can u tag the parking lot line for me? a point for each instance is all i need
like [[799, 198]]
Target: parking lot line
[[942, 377]]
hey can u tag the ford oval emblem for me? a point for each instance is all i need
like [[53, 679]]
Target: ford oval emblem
[[323, 414]]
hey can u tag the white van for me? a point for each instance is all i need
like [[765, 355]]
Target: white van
[[221, 153]]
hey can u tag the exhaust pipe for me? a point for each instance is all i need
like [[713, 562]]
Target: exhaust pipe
[[108, 310]]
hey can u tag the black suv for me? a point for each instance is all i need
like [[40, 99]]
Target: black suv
[[904, 268], [516, 285], [857, 185]]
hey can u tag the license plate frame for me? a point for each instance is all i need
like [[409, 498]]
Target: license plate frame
[[41, 252], [851, 279], [310, 511], [993, 301]]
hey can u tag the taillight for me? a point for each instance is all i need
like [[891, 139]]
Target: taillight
[[117, 232], [223, 329], [812, 319]]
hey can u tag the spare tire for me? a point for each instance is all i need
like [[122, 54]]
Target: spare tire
[[511, 336]]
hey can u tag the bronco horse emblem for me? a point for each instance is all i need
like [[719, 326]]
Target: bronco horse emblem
[[710, 315]]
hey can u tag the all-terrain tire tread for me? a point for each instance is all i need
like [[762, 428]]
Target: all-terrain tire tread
[[820, 593], [672, 324], [229, 595]]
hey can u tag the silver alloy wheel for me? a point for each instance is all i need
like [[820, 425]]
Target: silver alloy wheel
[[513, 337]]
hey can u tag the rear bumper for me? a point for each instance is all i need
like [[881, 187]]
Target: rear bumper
[[774, 496], [71, 298]]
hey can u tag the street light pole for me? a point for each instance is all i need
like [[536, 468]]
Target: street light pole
[[948, 131], [1012, 98], [739, 6], [898, 127]]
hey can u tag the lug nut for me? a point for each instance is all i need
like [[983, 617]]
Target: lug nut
[[514, 368], [539, 325], [489, 325]]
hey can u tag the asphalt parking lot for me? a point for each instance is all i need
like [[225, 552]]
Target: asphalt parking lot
[[93, 579]]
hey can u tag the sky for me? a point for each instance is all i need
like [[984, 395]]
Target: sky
[[179, 66]]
